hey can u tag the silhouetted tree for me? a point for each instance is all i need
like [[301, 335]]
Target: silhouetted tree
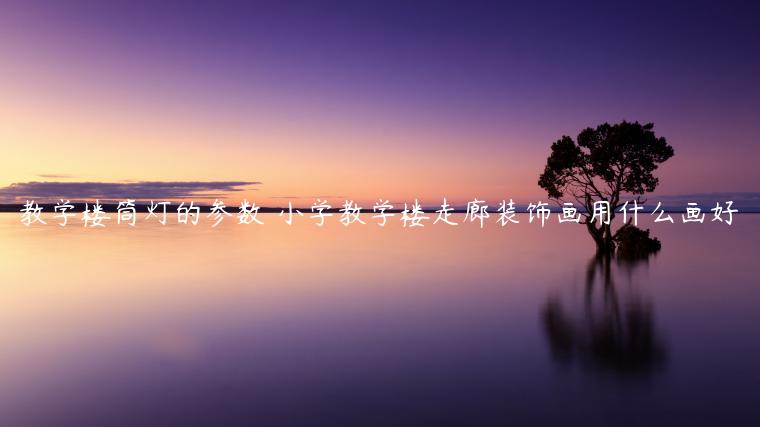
[[634, 243], [604, 164]]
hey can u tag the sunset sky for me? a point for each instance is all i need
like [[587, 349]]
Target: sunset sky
[[365, 101]]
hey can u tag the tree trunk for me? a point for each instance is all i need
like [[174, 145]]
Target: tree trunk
[[602, 237]]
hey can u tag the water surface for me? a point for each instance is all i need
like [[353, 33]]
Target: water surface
[[362, 325]]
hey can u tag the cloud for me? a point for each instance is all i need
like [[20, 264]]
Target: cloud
[[56, 176], [743, 195], [140, 190], [747, 200], [308, 197]]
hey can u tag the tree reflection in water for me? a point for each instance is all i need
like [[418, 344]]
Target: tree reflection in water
[[611, 333]]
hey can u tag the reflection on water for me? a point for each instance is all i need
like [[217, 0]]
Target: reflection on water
[[613, 332], [277, 325]]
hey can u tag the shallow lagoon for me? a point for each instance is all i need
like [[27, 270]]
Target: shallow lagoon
[[362, 325]]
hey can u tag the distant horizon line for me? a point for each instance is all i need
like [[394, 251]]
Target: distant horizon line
[[206, 208]]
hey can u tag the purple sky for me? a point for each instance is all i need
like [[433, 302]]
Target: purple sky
[[492, 79]]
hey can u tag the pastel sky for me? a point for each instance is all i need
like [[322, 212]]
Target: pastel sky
[[359, 100]]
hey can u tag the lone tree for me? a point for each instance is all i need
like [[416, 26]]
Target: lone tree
[[602, 165]]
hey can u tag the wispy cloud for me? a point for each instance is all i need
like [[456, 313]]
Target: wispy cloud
[[141, 190], [56, 176], [746, 200], [308, 197], [744, 195]]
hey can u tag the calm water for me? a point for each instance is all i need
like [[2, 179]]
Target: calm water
[[277, 325]]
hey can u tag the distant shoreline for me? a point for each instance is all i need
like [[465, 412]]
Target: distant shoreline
[[172, 208]]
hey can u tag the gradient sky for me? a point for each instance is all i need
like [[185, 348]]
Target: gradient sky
[[360, 100]]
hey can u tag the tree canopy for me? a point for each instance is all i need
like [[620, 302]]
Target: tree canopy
[[604, 163]]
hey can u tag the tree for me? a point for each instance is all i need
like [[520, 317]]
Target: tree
[[604, 164]]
